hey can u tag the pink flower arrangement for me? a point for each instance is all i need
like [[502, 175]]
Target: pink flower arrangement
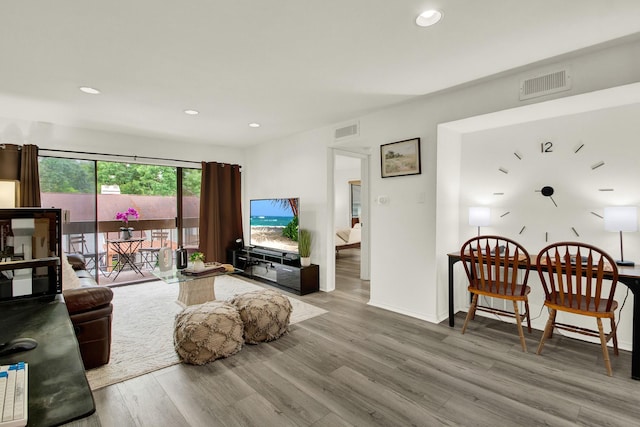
[[124, 216]]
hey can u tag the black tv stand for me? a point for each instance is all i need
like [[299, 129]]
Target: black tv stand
[[268, 252], [280, 269]]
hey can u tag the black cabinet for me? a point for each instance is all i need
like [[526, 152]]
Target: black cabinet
[[278, 269], [30, 251]]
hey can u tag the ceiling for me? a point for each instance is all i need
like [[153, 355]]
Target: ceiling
[[289, 65]]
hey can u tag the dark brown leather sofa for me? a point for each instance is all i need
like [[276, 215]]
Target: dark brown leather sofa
[[90, 310]]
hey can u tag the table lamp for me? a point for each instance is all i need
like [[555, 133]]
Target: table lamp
[[479, 216], [621, 218]]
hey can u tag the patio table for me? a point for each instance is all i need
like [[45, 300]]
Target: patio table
[[126, 250]]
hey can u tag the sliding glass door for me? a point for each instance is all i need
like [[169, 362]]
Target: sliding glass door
[[191, 179], [149, 194], [165, 199], [69, 184]]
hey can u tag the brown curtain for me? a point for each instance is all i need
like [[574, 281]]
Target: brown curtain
[[10, 162], [220, 210], [29, 177], [21, 164]]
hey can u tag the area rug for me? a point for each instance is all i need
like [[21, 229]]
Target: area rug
[[142, 329]]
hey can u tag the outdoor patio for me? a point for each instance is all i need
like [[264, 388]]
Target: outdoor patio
[[111, 261], [118, 261]]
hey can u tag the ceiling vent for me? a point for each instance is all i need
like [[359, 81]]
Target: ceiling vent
[[545, 84], [348, 131]]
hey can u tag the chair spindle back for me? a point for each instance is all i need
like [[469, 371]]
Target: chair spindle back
[[573, 275], [492, 264]]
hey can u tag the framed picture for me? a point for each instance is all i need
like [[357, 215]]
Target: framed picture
[[400, 158]]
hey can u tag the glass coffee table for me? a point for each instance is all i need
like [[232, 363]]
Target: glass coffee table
[[193, 289]]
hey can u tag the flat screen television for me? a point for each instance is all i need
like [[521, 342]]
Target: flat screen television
[[274, 224]]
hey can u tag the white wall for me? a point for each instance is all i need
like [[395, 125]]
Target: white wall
[[605, 135], [293, 167], [408, 252]]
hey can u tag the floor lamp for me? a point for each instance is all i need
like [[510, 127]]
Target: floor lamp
[[621, 218], [479, 216]]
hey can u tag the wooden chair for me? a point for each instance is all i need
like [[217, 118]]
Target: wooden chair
[[150, 254], [574, 277], [492, 264]]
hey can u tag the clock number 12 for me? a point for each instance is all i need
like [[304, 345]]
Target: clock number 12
[[546, 147]]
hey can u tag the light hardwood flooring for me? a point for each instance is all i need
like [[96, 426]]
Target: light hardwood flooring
[[362, 366]]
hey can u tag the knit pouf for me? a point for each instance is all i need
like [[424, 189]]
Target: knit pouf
[[206, 332], [265, 314]]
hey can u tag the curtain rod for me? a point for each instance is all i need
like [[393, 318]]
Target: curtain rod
[[134, 157]]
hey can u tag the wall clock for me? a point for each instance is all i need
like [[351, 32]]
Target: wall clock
[[549, 180], [553, 179]]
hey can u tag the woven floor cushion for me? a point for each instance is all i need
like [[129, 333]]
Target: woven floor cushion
[[206, 332], [265, 314]]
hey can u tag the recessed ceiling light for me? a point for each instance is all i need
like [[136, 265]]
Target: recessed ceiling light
[[90, 90], [429, 18], [254, 125], [192, 112]]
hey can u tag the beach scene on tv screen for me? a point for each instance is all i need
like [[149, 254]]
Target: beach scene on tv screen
[[274, 224]]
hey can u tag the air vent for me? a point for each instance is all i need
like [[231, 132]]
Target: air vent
[[546, 84], [347, 131]]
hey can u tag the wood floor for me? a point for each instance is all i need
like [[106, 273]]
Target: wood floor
[[362, 366]]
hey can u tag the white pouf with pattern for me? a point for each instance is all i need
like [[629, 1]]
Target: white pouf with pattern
[[206, 332], [265, 314]]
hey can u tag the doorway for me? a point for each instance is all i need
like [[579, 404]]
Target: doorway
[[350, 225], [346, 215]]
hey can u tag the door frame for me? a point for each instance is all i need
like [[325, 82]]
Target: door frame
[[365, 253]]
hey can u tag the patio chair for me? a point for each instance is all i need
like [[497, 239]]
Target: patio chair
[[149, 255], [94, 259]]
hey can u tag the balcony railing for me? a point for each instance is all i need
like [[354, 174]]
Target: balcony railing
[[101, 257]]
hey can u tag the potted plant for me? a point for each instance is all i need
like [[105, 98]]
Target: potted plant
[[304, 247], [125, 232], [197, 258]]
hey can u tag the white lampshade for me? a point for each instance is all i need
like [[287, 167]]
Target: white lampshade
[[621, 218], [9, 193], [479, 216]]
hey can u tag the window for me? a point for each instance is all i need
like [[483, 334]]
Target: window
[[355, 201], [92, 192]]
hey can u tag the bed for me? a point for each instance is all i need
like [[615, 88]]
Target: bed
[[348, 238]]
